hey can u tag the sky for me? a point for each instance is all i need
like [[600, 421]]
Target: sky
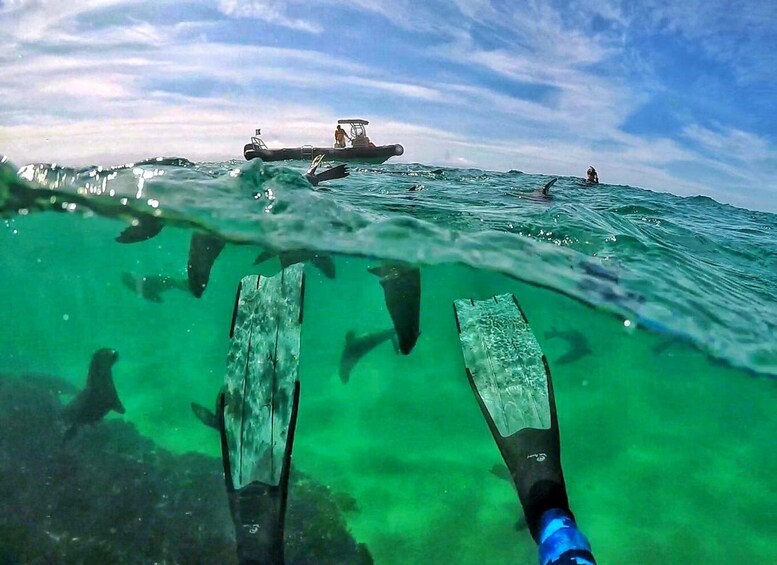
[[673, 96]]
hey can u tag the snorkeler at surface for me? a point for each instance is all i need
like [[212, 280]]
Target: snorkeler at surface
[[592, 175]]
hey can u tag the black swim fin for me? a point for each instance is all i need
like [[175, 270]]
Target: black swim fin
[[323, 263], [258, 508], [511, 381], [336, 172]]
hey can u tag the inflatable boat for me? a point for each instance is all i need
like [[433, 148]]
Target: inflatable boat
[[361, 149]]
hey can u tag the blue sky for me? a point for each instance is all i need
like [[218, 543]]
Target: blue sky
[[672, 96]]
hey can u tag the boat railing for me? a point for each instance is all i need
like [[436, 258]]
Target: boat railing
[[258, 143], [307, 151]]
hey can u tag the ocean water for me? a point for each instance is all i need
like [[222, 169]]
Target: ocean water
[[666, 412]]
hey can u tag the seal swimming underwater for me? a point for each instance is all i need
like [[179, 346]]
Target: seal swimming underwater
[[578, 344], [98, 397], [151, 287], [204, 248], [402, 291], [206, 416], [357, 347]]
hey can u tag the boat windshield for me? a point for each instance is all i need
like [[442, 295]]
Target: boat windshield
[[358, 130]]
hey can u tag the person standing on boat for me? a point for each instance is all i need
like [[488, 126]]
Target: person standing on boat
[[340, 136]]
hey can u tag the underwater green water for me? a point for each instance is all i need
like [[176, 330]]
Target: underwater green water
[[668, 452]]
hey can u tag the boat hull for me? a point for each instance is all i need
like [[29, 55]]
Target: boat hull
[[375, 155]]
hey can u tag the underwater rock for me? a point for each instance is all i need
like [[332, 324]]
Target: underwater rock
[[112, 496]]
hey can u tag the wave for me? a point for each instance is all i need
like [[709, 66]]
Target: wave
[[689, 267]]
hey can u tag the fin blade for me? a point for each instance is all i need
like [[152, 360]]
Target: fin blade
[[504, 361], [338, 172], [262, 374]]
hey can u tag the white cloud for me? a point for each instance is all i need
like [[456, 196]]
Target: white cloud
[[581, 103], [47, 20], [477, 10], [609, 10], [195, 128], [102, 86], [400, 88], [426, 17], [728, 143], [742, 162], [429, 16], [270, 11]]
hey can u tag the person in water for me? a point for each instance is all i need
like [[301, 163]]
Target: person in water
[[593, 176], [340, 136]]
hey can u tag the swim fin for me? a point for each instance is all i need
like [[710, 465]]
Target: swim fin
[[511, 381], [258, 410], [336, 172]]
